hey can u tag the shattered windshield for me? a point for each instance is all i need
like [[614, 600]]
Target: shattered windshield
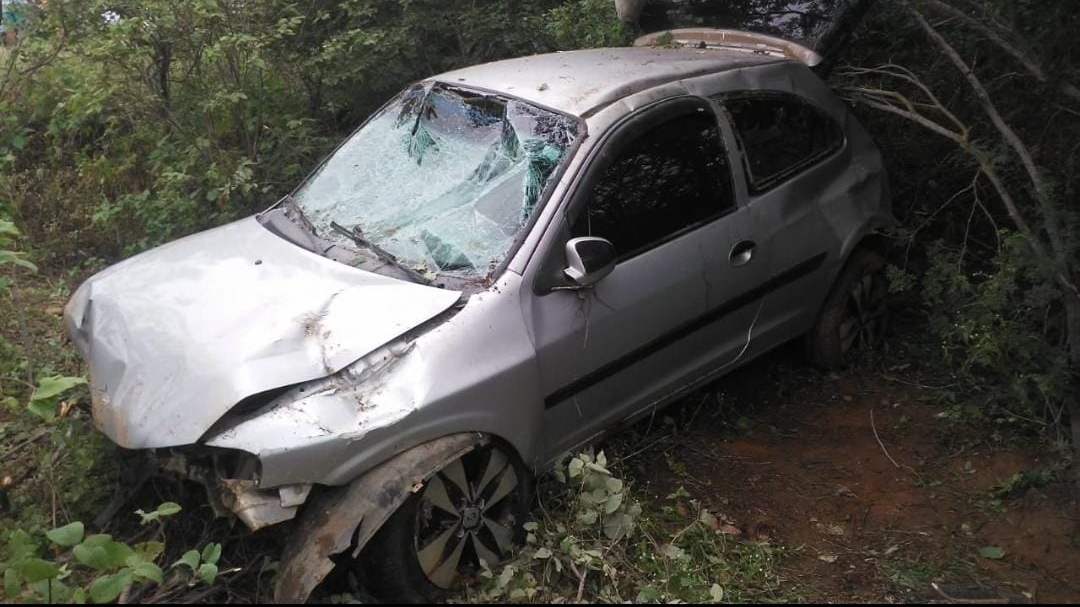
[[443, 178]]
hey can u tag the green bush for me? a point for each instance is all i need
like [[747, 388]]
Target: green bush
[[587, 24], [1001, 329], [117, 135]]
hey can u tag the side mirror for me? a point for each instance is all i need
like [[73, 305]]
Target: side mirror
[[589, 259]]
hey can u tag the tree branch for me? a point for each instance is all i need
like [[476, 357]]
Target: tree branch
[[998, 37], [1057, 257]]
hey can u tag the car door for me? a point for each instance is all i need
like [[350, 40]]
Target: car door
[[660, 190], [788, 148]]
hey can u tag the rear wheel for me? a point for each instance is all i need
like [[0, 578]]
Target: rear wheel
[[854, 317], [472, 509]]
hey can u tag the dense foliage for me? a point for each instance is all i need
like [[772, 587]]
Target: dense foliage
[[976, 103], [127, 123]]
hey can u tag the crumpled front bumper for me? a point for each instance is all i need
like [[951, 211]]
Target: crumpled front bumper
[[255, 506]]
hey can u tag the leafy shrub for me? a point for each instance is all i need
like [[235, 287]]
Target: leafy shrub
[[596, 542], [75, 567], [587, 24], [1001, 329], [119, 134]]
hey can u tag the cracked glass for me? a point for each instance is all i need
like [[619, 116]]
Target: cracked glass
[[444, 178]]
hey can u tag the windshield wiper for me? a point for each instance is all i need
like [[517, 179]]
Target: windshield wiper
[[380, 252]]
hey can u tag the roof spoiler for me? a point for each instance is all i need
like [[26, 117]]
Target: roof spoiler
[[732, 39]]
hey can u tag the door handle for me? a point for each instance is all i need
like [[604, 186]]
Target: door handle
[[742, 252]]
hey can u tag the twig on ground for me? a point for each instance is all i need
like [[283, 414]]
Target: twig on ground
[[880, 444], [581, 580], [33, 439]]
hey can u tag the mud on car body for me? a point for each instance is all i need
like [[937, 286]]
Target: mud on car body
[[500, 265]]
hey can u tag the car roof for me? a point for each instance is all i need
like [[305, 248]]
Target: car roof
[[582, 82]]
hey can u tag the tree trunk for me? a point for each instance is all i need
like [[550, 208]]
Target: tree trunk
[[629, 10]]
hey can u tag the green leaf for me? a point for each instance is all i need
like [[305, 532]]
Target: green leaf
[[11, 583], [102, 553], [716, 593], [91, 556], [542, 553], [648, 594], [68, 535], [21, 545], [612, 504], [149, 551], [43, 409], [992, 552], [211, 553], [598, 468], [165, 509], [190, 558], [208, 571], [13, 258], [54, 385], [148, 571], [673, 552], [35, 570], [107, 588], [576, 467], [52, 588]]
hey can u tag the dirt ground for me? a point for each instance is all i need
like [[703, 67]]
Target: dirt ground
[[872, 494]]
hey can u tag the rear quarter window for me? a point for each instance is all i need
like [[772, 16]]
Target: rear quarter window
[[780, 135]]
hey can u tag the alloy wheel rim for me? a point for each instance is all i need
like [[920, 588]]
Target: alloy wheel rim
[[467, 513], [863, 324]]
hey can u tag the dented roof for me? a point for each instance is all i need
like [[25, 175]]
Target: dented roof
[[580, 82]]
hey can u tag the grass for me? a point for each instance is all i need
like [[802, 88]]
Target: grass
[[52, 472]]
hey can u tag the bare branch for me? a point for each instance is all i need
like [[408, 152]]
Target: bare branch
[[900, 72], [865, 97], [1057, 256], [999, 36]]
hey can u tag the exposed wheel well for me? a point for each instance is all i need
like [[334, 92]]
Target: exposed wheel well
[[874, 241]]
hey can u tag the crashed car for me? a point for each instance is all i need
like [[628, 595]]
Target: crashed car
[[501, 265]]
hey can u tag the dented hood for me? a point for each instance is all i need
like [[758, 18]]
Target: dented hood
[[178, 335]]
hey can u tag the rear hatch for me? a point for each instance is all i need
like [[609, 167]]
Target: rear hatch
[[811, 31]]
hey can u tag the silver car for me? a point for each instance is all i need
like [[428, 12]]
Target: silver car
[[502, 264]]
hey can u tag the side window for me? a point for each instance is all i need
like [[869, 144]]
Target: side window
[[671, 178], [780, 135]]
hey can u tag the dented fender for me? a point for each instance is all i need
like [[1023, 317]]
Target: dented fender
[[345, 518]]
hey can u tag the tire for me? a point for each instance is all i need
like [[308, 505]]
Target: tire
[[854, 318], [474, 507]]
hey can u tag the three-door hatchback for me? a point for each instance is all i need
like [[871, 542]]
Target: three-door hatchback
[[500, 265]]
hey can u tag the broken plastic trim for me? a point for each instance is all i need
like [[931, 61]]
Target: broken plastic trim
[[231, 480], [345, 518]]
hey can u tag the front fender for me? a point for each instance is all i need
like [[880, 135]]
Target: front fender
[[345, 518]]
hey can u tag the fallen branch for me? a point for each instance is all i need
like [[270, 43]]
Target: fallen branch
[[880, 444]]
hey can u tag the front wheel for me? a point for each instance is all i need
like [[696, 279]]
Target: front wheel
[[853, 320], [472, 509]]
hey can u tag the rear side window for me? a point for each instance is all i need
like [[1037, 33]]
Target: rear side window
[[780, 136], [669, 179]]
